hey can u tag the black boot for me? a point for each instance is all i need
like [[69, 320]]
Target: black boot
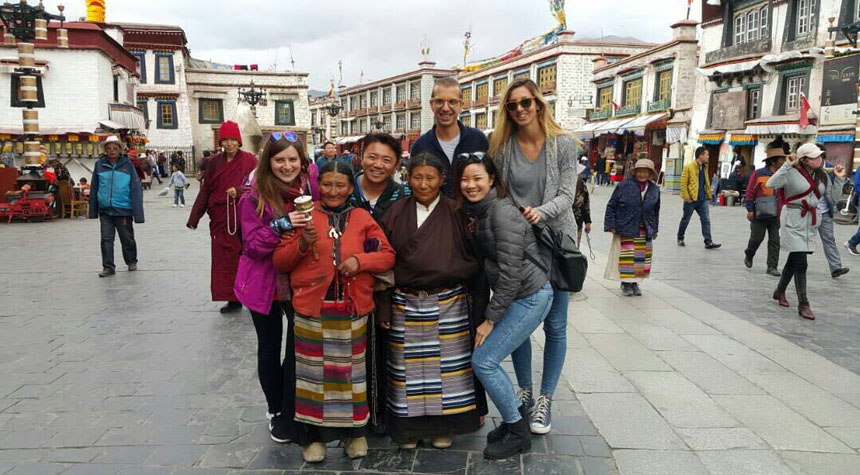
[[498, 433], [231, 307], [518, 439], [784, 279], [803, 308]]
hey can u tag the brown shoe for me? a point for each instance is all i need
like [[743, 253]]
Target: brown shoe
[[779, 296], [805, 311]]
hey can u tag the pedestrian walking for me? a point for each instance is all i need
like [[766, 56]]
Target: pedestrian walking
[[219, 194], [633, 218], [116, 199], [522, 297], [330, 153], [443, 397], [802, 183], [268, 215], [538, 162], [582, 209], [331, 264], [763, 206], [602, 177], [178, 182], [449, 138], [852, 243], [827, 205], [696, 191], [204, 164]]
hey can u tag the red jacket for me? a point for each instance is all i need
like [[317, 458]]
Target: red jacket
[[310, 278]]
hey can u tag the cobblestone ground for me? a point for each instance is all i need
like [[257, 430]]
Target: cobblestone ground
[[139, 373], [719, 277]]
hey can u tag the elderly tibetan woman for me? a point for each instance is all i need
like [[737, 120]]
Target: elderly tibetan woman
[[632, 216], [331, 265], [432, 392]]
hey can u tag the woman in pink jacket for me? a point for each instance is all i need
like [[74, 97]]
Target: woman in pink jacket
[[283, 173]]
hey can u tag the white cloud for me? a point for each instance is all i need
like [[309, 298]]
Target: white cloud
[[381, 37]]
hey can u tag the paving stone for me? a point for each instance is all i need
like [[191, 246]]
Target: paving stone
[[37, 469], [391, 460], [440, 461], [656, 337], [708, 374], [778, 425], [595, 446], [679, 400], [176, 455], [658, 462], [721, 438], [625, 353], [593, 373], [81, 455], [229, 456], [129, 454], [811, 463], [563, 444], [628, 421], [479, 465], [597, 465], [816, 404], [733, 354], [748, 462], [551, 465], [849, 436]]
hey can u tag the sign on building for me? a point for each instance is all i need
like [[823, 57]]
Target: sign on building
[[839, 90], [728, 110]]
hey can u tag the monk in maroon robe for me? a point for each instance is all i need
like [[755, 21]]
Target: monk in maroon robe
[[223, 183]]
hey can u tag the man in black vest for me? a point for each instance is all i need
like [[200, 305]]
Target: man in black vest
[[449, 137]]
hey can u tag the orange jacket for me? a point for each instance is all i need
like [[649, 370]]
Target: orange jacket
[[311, 278]]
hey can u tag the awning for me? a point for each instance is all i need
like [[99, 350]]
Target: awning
[[711, 137], [836, 136], [743, 140], [639, 124], [61, 130], [349, 139], [109, 124], [613, 126], [780, 129], [587, 130], [729, 68]]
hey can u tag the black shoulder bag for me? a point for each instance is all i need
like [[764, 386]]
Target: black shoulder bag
[[569, 265]]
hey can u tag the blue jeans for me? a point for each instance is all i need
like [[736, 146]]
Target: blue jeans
[[555, 330], [855, 239], [178, 194], [701, 207], [516, 326]]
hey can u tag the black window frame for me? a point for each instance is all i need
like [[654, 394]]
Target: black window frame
[[292, 105], [754, 110], [160, 122], [782, 93], [158, 78], [200, 118], [143, 104], [141, 58]]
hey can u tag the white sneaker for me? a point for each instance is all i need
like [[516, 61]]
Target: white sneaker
[[541, 417], [174, 205], [181, 206]]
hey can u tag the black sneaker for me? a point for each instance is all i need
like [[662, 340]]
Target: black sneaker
[[541, 420], [231, 307], [626, 289], [498, 433], [107, 272], [636, 290], [516, 440], [852, 248], [681, 243], [713, 245], [132, 267], [748, 262], [277, 429], [838, 272]]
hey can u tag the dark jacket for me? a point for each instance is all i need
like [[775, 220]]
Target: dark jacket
[[115, 190], [626, 209], [393, 192], [471, 140], [757, 188], [504, 237]]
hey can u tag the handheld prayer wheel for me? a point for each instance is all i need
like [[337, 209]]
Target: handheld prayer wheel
[[31, 121], [41, 26], [304, 204]]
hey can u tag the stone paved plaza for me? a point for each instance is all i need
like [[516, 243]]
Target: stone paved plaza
[[704, 374]]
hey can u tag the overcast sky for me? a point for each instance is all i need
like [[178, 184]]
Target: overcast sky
[[380, 37]]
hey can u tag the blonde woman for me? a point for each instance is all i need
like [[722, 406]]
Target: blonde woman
[[537, 160]]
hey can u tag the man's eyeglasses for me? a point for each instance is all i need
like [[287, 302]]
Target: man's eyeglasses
[[475, 157], [289, 136], [524, 103], [452, 103]]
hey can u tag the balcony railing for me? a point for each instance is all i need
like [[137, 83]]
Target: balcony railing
[[386, 107], [660, 105], [467, 103], [400, 105], [743, 49], [629, 110], [413, 103], [547, 88], [604, 113], [480, 102]]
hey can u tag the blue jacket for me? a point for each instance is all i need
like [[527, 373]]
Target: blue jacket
[[857, 181], [116, 190], [626, 209], [471, 140]]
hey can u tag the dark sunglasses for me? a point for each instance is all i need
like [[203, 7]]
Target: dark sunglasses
[[290, 136], [476, 157], [524, 103]]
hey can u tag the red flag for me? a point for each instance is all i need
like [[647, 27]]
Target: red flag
[[804, 111], [615, 104]]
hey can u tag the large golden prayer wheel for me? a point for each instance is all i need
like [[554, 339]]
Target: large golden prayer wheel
[[96, 10], [41, 26], [26, 55], [32, 153], [31, 121], [62, 38], [28, 91]]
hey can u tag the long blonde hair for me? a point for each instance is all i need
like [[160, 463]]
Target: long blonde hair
[[505, 127]]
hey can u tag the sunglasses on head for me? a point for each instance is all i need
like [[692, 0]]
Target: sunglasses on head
[[290, 136], [475, 157], [524, 103]]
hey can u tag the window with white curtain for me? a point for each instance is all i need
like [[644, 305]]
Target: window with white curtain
[[805, 16], [793, 87]]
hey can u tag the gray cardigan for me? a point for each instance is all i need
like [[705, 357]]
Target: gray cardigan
[[504, 237], [560, 190]]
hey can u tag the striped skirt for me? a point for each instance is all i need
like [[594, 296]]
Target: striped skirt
[[429, 355], [634, 257], [331, 381]]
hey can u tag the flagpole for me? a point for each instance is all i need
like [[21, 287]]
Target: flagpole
[[689, 5]]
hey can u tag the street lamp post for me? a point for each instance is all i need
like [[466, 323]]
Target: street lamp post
[[333, 109], [252, 96], [26, 23]]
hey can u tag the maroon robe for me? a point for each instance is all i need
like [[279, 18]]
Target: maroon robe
[[212, 199]]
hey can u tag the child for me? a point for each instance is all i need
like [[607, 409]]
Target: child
[[178, 182], [84, 186]]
